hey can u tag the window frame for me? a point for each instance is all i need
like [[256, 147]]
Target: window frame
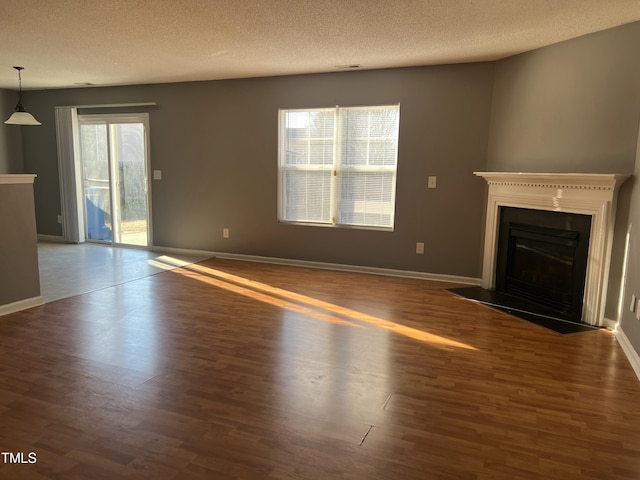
[[337, 169]]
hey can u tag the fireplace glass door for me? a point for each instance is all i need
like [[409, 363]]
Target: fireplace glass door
[[542, 258], [541, 266]]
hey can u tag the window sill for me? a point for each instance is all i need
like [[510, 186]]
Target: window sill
[[337, 225]]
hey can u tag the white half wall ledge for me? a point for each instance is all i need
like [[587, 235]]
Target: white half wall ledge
[[593, 194], [17, 178]]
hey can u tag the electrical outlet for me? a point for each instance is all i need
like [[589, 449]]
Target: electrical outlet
[[225, 233], [59, 218], [431, 182], [157, 174], [420, 248]]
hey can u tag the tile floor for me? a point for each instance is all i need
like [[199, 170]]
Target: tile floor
[[67, 270]]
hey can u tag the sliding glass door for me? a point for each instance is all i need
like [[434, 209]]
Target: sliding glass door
[[113, 150]]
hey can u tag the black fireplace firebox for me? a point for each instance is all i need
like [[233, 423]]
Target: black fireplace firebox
[[542, 259]]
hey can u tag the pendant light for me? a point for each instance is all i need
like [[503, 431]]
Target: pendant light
[[21, 116]]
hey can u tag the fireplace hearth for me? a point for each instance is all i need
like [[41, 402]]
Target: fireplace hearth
[[542, 258]]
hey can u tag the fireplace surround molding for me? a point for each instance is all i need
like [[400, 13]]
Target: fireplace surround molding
[[591, 194]]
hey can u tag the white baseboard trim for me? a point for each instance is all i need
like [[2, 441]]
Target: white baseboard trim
[[354, 268], [326, 266], [21, 305], [629, 351], [184, 251], [609, 324], [51, 238]]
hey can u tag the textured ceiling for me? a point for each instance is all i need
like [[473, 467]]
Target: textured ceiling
[[67, 43]]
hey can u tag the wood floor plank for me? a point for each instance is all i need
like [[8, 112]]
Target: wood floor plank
[[238, 370]]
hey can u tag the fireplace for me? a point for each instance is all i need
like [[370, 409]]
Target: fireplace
[[588, 195], [542, 259]]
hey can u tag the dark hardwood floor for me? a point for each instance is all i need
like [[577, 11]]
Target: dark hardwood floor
[[236, 370]]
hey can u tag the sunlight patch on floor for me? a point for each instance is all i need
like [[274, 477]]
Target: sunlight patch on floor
[[307, 305], [166, 262]]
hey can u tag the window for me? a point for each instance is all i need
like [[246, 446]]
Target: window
[[337, 166]]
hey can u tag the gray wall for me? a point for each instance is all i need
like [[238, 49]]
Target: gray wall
[[10, 136], [570, 107], [19, 275], [573, 107], [629, 324], [216, 144]]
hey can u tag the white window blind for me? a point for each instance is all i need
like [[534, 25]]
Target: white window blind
[[337, 166]]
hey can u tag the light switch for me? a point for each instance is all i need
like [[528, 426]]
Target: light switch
[[431, 182]]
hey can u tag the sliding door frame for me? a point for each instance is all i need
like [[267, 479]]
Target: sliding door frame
[[108, 120]]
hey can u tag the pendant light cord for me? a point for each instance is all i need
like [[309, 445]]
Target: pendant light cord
[[19, 106]]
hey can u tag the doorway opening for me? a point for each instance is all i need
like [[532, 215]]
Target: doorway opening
[[114, 178]]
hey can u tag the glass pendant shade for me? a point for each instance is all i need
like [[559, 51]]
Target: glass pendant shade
[[21, 116]]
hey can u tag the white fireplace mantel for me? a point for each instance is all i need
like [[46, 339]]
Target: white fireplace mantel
[[584, 193]]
